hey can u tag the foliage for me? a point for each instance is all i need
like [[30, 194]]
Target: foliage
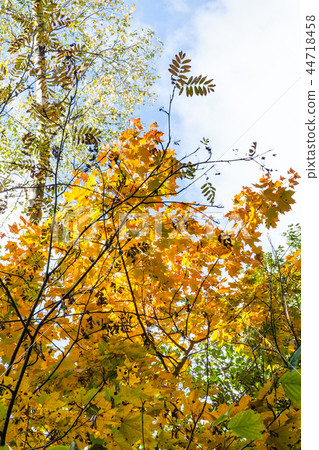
[[198, 85], [101, 311], [71, 73], [255, 363], [247, 424], [107, 298], [291, 382]]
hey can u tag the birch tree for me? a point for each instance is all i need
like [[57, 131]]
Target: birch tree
[[72, 72]]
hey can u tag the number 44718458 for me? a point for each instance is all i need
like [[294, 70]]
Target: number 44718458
[[310, 39]]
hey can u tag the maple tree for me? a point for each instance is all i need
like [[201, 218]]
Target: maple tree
[[107, 298], [99, 321], [244, 364]]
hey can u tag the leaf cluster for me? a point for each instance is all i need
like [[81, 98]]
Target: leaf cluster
[[198, 85]]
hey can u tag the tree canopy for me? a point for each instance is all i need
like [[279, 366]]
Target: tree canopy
[[71, 73], [130, 318]]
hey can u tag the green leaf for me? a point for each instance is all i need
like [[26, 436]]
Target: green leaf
[[291, 382], [293, 363], [3, 411], [247, 424]]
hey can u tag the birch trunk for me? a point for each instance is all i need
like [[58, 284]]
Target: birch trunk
[[41, 159]]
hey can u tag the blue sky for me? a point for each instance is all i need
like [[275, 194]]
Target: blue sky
[[251, 48]]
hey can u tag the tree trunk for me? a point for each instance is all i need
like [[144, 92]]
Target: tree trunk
[[41, 158]]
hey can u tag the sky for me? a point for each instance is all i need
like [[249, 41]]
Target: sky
[[252, 51]]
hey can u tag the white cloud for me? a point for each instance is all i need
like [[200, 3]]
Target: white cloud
[[251, 49]]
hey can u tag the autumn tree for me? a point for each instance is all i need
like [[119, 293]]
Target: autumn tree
[[103, 308], [107, 296], [248, 365]]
